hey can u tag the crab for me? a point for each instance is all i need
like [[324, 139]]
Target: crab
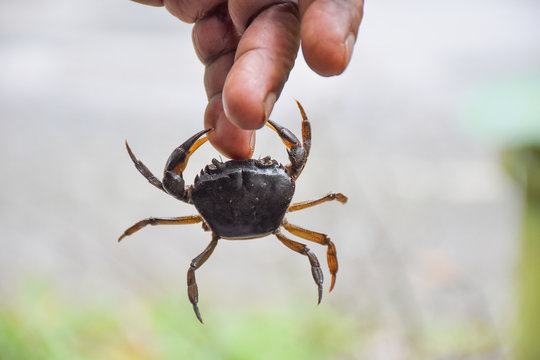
[[242, 199]]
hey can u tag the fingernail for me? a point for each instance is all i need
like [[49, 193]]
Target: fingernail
[[269, 102], [349, 46]]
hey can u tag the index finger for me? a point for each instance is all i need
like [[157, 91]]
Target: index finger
[[264, 58]]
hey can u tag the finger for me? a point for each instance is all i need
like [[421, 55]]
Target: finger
[[150, 2], [243, 12], [215, 35], [190, 11], [264, 59], [215, 40], [227, 138], [233, 142], [328, 32]]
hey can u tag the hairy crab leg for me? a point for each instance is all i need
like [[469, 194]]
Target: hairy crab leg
[[304, 250], [319, 238], [193, 291], [309, 203], [182, 220]]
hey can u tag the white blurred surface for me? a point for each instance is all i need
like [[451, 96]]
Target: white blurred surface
[[431, 226]]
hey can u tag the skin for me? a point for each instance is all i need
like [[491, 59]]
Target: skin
[[249, 48]]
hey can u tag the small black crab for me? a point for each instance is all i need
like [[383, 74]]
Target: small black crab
[[242, 199]]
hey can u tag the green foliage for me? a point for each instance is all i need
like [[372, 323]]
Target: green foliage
[[40, 324], [43, 326], [523, 163]]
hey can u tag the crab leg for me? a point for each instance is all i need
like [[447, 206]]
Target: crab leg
[[306, 129], [319, 238], [298, 153], [193, 291], [182, 220], [144, 170], [306, 204], [173, 183], [304, 250]]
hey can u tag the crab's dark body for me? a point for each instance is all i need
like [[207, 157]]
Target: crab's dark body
[[242, 199]]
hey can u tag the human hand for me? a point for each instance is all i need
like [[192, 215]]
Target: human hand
[[249, 48]]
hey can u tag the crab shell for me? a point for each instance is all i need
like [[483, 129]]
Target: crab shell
[[243, 199]]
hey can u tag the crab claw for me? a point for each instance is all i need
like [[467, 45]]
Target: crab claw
[[178, 160], [173, 182]]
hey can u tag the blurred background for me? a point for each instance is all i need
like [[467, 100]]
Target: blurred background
[[412, 132]]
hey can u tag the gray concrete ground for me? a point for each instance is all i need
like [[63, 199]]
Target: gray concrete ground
[[430, 232]]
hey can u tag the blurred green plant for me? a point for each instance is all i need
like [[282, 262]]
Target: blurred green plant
[[524, 165], [40, 325], [507, 111]]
